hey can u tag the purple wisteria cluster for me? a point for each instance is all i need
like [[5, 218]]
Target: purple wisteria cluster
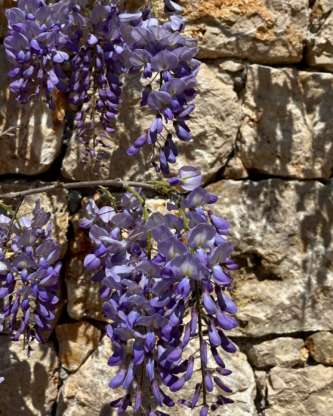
[[164, 280], [86, 55], [29, 275]]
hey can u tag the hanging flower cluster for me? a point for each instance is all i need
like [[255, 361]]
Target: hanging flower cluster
[[62, 48], [29, 275], [164, 281]]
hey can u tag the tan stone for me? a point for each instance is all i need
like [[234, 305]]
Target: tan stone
[[86, 393], [30, 137], [83, 294], [287, 123], [214, 125], [31, 383], [284, 244], [320, 346], [282, 352], [261, 31], [306, 391], [76, 342]]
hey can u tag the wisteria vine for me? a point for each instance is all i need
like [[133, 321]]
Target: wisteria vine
[[164, 277]]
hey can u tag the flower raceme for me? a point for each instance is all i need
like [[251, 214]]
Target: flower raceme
[[29, 275], [86, 55], [164, 282]]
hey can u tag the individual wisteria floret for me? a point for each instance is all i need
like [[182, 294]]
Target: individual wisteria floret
[[29, 275], [164, 281]]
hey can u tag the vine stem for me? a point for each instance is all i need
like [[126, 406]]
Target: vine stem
[[201, 341], [113, 183]]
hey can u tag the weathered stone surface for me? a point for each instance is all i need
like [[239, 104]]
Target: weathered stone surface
[[282, 352], [30, 137], [320, 346], [30, 386], [306, 392], [288, 123], [320, 43], [86, 393], [76, 342], [214, 126], [261, 31], [285, 245]]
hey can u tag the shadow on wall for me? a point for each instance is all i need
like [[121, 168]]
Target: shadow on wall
[[288, 123], [291, 248], [27, 387]]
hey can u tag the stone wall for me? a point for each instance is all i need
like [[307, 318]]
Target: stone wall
[[263, 135]]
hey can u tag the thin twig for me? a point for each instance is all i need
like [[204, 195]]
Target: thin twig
[[113, 183]]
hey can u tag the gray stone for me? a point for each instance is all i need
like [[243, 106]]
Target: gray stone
[[320, 346], [261, 31], [288, 123], [30, 136], [306, 392], [282, 352], [284, 244], [31, 383], [320, 43], [214, 125]]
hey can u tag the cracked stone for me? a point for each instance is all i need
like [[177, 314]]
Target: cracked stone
[[284, 245]]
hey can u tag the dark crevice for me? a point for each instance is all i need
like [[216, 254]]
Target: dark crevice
[[254, 263], [312, 3], [256, 175], [244, 341], [300, 65]]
